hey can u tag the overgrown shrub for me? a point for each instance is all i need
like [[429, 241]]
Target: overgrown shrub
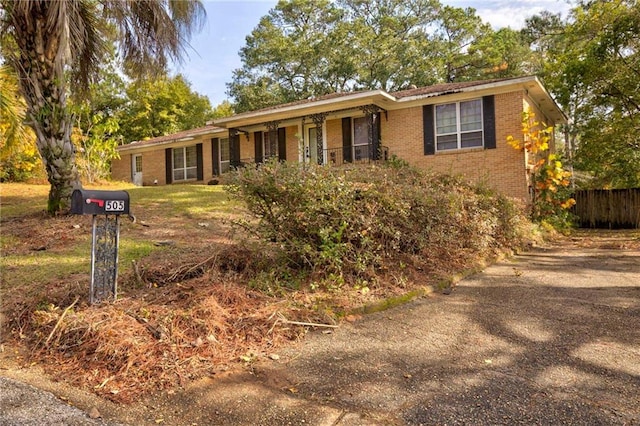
[[344, 223]]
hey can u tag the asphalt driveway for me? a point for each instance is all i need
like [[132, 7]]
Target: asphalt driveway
[[548, 337]]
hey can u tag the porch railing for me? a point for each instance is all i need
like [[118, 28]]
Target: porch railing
[[359, 154]]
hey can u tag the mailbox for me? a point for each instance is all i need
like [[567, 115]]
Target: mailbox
[[94, 202]]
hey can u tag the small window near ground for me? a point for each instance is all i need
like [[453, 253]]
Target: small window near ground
[[459, 125]]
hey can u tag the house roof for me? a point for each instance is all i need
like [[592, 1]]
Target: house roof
[[185, 135], [396, 100], [335, 102]]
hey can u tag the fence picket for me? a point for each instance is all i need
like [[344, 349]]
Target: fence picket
[[608, 208]]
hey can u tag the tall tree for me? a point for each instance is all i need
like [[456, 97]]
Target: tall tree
[[160, 107], [593, 67], [610, 67], [458, 32], [97, 123], [290, 55], [52, 43], [308, 48], [385, 44]]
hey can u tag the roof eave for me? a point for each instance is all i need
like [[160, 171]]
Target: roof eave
[[183, 138], [377, 97], [530, 84]]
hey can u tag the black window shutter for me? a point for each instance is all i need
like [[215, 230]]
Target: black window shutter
[[234, 150], [199, 162], [168, 165], [259, 153], [489, 124], [429, 133], [282, 144], [347, 154], [215, 156]]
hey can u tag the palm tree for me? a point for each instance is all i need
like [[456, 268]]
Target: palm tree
[[54, 45]]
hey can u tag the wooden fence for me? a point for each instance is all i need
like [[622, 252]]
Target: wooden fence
[[608, 208]]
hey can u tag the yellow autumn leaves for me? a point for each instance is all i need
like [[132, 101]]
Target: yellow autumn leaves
[[549, 176]]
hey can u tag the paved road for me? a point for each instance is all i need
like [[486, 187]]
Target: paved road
[[550, 337]]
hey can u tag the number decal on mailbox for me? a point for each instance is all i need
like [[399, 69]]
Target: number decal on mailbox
[[114, 205]]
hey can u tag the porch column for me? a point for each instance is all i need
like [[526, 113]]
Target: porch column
[[318, 120]]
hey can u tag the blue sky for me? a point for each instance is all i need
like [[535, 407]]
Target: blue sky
[[214, 53]]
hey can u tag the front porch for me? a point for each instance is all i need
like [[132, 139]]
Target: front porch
[[364, 154]]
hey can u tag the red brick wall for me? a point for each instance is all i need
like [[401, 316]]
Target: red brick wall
[[153, 163], [502, 169]]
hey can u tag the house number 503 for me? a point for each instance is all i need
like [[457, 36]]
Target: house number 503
[[114, 205]]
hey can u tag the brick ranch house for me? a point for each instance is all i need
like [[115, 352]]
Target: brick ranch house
[[455, 128]]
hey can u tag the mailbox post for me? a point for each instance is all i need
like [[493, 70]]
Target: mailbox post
[[106, 207]]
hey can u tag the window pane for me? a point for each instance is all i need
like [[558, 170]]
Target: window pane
[[192, 156], [178, 174], [471, 139], [224, 166], [138, 163], [471, 115], [224, 149], [446, 119], [178, 158], [447, 142], [360, 131], [192, 173]]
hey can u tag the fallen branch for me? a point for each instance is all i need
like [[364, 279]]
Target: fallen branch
[[64, 313], [282, 318]]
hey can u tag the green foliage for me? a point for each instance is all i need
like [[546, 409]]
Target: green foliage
[[68, 55], [551, 195], [309, 48], [341, 225], [96, 133], [19, 159], [591, 62], [162, 106], [222, 110]]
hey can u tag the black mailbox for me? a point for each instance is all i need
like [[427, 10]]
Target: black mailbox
[[88, 201]]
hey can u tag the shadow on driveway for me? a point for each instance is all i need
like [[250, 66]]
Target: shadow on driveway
[[550, 337]]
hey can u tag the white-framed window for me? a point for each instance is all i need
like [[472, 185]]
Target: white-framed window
[[225, 155], [185, 163], [459, 125], [360, 138]]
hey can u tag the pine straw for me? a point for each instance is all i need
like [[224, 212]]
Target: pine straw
[[191, 318], [133, 346]]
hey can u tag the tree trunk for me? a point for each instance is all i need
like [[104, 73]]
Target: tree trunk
[[42, 84]]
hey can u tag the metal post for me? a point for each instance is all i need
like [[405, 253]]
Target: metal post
[[104, 258]]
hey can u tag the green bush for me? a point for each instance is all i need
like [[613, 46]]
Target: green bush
[[346, 222]]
